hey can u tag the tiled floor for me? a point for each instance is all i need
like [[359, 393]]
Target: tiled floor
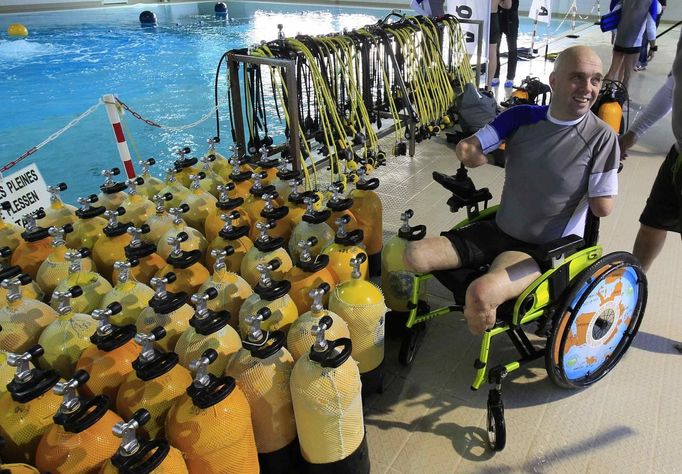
[[429, 421]]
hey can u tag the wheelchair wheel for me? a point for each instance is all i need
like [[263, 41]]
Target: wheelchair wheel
[[410, 343], [497, 431], [596, 321]]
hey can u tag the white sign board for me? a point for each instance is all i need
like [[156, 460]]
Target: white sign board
[[25, 191], [472, 10]]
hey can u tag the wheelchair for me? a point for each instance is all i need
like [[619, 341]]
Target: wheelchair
[[588, 306]]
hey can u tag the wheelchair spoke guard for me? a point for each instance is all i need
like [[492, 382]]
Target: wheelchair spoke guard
[[596, 321]]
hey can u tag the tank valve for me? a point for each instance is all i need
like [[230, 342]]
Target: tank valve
[[263, 228], [30, 220], [220, 255], [58, 233], [55, 190], [405, 218], [136, 235], [67, 389], [159, 285], [146, 342], [64, 299], [145, 165], [175, 242], [127, 432], [265, 270], [341, 223], [200, 302], [257, 178], [317, 294], [21, 362], [305, 246], [196, 180], [355, 263], [228, 218], [158, 201], [86, 201], [112, 217], [177, 213], [102, 317], [255, 335], [132, 185], [109, 176], [200, 368], [74, 259], [318, 330], [13, 287], [170, 174]]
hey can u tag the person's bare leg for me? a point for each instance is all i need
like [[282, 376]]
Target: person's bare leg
[[429, 254], [492, 63], [509, 274], [648, 244], [628, 66], [615, 70]]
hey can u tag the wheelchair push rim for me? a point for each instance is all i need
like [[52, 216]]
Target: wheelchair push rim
[[597, 321]]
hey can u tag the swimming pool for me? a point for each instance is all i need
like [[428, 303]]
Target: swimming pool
[[166, 74]]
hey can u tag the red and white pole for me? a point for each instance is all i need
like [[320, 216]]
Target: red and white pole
[[115, 120]]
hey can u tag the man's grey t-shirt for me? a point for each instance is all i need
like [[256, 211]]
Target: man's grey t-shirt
[[551, 169], [677, 95]]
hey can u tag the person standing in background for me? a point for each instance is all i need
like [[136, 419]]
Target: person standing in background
[[509, 26], [494, 38], [644, 52]]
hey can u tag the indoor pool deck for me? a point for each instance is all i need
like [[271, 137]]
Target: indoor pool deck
[[428, 420]]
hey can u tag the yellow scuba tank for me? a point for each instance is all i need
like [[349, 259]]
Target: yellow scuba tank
[[158, 381], [610, 110], [111, 248], [35, 247], [166, 309], [10, 233], [149, 262], [161, 221], [267, 165], [273, 294], [112, 195], [6, 372], [23, 319], [240, 174], [150, 185], [340, 206], [225, 205], [31, 288], [27, 407], [262, 369], [211, 424], [15, 468], [171, 186], [301, 338], [185, 166], [55, 268], [195, 239], [65, 339], [132, 295], [265, 249], [346, 245], [59, 213], [368, 210], [140, 455], [326, 395], [89, 227], [313, 224], [220, 165], [80, 440], [254, 203], [93, 285], [211, 179], [295, 201], [234, 235], [279, 214], [396, 280], [232, 289], [309, 272], [361, 304], [109, 359], [285, 184], [209, 330], [138, 207], [200, 202], [186, 265]]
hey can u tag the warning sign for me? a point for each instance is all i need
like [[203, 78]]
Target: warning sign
[[23, 192]]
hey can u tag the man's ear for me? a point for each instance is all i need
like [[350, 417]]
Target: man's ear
[[552, 79]]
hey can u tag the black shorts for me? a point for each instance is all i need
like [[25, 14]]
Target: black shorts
[[478, 243], [494, 36], [663, 209], [626, 49]]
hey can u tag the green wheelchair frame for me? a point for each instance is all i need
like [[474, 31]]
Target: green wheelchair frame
[[546, 301]]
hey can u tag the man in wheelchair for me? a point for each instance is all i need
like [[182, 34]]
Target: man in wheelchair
[[561, 160]]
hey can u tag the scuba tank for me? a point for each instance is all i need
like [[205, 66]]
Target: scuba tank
[[195, 239], [31, 288], [253, 203], [166, 309], [295, 201], [396, 280], [157, 382], [361, 304], [10, 233], [137, 455], [144, 252], [132, 295], [240, 174], [111, 248], [211, 424], [185, 167], [15, 468], [35, 247], [88, 229], [346, 246], [6, 372], [267, 165], [265, 249], [325, 392], [232, 289], [150, 185], [279, 214], [262, 369], [313, 224], [80, 440], [27, 407], [68, 336], [161, 221], [186, 264], [301, 338], [220, 165], [112, 195], [171, 186], [55, 268], [285, 184], [200, 202], [234, 235], [273, 294], [210, 330], [211, 179], [368, 210], [340, 206], [93, 285], [309, 272], [23, 319], [138, 207], [109, 359], [224, 205], [59, 213], [609, 107]]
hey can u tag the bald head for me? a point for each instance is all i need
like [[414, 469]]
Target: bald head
[[569, 57], [575, 82]]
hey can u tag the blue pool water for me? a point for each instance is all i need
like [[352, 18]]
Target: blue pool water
[[72, 58]]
